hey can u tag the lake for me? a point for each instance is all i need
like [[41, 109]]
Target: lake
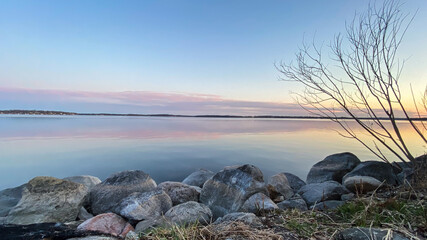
[[166, 148]]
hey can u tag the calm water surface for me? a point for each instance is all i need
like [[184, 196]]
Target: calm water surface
[[166, 148]]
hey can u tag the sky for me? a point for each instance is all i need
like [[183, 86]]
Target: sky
[[178, 57]]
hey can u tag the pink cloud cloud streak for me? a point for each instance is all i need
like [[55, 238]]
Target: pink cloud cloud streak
[[143, 102]]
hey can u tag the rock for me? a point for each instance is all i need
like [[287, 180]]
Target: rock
[[327, 205], [140, 206], [83, 214], [368, 233], [43, 231], [131, 235], [347, 197], [198, 178], [296, 202], [198, 190], [332, 168], [379, 170], [179, 192], [319, 192], [48, 199], [105, 196], [227, 190], [2, 220], [258, 202], [88, 181], [278, 184], [108, 223], [294, 181], [145, 225], [405, 176], [248, 218], [9, 198], [189, 213], [362, 184]]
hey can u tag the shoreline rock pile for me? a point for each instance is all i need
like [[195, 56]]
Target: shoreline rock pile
[[130, 202]]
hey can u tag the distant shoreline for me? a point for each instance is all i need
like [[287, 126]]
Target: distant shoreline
[[62, 113]]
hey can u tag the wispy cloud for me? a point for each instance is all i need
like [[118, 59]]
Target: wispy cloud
[[138, 102]]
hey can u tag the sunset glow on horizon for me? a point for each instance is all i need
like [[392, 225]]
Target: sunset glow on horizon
[[177, 57]]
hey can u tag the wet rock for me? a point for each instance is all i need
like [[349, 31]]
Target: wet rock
[[83, 214], [362, 184], [9, 198], [294, 181], [139, 206], [108, 223], [296, 202], [88, 181], [319, 192], [180, 192], [248, 218], [332, 168], [48, 199], [41, 231], [189, 213], [227, 190], [105, 196], [279, 185], [258, 202], [368, 233], [327, 205], [380, 171], [198, 178]]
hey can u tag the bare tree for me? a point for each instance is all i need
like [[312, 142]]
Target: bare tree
[[363, 84]]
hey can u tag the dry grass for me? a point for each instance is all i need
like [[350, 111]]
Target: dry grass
[[230, 230], [403, 210]]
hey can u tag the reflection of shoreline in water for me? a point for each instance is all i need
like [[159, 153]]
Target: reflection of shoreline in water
[[24, 128]]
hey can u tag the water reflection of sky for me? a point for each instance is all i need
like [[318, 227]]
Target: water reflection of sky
[[166, 148]]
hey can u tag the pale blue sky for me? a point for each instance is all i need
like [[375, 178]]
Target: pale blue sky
[[224, 48]]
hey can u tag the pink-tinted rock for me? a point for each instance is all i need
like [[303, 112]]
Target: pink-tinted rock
[[109, 223]]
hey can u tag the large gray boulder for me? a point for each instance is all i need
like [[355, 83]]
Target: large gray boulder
[[319, 192], [296, 202], [48, 199], [180, 192], [88, 181], [227, 190], [332, 168], [381, 171], [294, 181], [258, 202], [9, 198], [189, 213], [278, 185], [362, 184], [361, 233], [140, 206], [105, 196], [198, 178]]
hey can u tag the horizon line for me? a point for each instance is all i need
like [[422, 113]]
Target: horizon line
[[62, 113]]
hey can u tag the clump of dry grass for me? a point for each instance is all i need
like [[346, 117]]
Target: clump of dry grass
[[229, 230]]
